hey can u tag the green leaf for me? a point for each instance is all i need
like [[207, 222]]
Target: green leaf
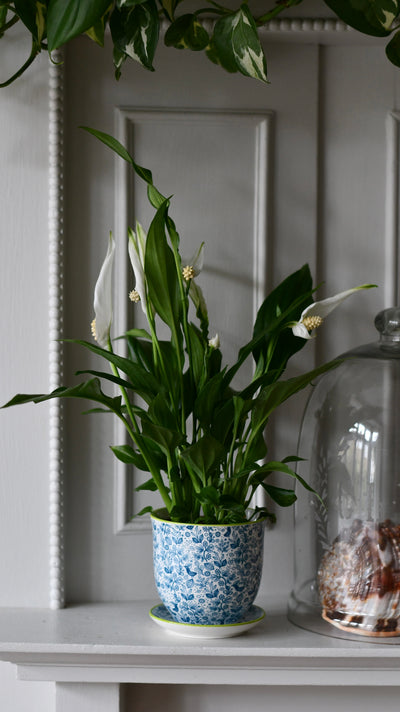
[[127, 455], [204, 456], [257, 448], [222, 421], [247, 49], [197, 351], [69, 18], [197, 297], [97, 32], [161, 272], [154, 195], [235, 45], [393, 49], [165, 438], [160, 413], [89, 390], [187, 33], [107, 376], [169, 7], [137, 333], [272, 396], [145, 510], [284, 304], [208, 399], [119, 149], [33, 15], [208, 495], [143, 382], [372, 17], [136, 32], [149, 486], [283, 497], [220, 50]]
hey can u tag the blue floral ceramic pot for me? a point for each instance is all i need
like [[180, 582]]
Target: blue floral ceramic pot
[[207, 574]]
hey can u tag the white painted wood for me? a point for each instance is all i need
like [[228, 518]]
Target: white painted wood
[[24, 353], [56, 331], [24, 345], [18, 697], [87, 698], [113, 643]]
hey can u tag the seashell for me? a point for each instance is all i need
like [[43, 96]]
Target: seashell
[[359, 579]]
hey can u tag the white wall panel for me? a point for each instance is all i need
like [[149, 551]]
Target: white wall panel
[[24, 487]]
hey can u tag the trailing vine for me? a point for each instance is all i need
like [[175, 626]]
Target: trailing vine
[[232, 42]]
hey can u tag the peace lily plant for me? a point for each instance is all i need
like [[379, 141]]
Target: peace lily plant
[[198, 438]]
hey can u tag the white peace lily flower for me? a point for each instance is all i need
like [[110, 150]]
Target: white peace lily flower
[[137, 250], [101, 324], [191, 268], [313, 315], [214, 342]]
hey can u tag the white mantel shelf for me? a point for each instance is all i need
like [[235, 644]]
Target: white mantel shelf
[[119, 643]]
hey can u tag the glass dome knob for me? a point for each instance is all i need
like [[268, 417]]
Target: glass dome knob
[[387, 323]]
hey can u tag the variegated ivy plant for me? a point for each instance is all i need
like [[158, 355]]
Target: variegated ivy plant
[[232, 42], [199, 438]]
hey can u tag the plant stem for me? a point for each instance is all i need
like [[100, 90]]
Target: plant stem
[[34, 52], [282, 5]]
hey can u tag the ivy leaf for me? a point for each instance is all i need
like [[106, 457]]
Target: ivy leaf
[[220, 50], [247, 48], [187, 33], [33, 15], [372, 17], [235, 45], [96, 33], [169, 6], [393, 50], [67, 19], [135, 33]]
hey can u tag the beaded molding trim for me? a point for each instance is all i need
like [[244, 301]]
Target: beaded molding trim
[[55, 305], [310, 25]]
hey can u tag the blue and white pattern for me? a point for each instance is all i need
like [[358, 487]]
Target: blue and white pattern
[[207, 574]]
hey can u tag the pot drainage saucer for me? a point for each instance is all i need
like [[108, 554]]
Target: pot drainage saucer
[[162, 617]]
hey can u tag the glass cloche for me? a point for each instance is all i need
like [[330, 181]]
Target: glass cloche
[[347, 546]]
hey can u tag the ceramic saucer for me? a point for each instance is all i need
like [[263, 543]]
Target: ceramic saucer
[[162, 617]]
